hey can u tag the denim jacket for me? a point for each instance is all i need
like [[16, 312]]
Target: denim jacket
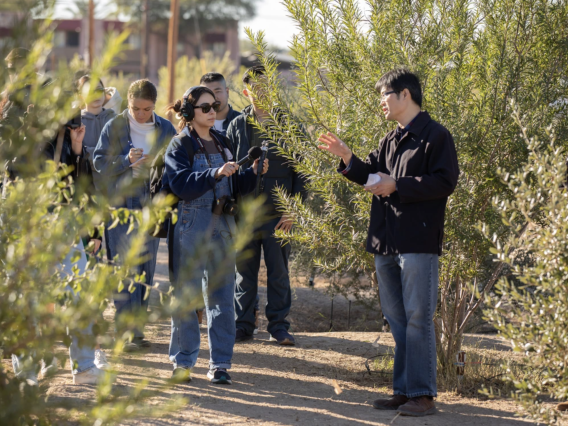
[[111, 153], [189, 184]]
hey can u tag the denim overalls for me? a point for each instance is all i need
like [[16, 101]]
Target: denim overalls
[[204, 264]]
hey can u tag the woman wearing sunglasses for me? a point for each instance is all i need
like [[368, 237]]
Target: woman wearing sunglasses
[[201, 171]]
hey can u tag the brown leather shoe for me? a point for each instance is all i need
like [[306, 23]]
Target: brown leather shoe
[[563, 406], [418, 407], [391, 403]]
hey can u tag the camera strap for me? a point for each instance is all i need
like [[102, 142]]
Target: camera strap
[[221, 151]]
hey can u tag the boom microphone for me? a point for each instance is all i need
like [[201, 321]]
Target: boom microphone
[[253, 154]]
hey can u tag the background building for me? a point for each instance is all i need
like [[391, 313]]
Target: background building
[[71, 37]]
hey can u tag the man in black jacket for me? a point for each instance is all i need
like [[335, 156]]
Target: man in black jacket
[[418, 169], [244, 135]]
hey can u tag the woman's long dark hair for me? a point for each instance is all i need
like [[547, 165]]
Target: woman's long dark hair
[[194, 96]]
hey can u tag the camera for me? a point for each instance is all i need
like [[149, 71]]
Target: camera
[[225, 205], [231, 208]]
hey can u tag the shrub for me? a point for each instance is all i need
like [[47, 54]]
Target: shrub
[[533, 317]]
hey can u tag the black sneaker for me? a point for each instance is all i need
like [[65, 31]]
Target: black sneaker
[[181, 374], [143, 343], [219, 376], [136, 345], [131, 347], [242, 336], [283, 338]]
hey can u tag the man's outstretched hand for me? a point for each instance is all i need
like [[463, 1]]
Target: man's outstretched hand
[[332, 144]]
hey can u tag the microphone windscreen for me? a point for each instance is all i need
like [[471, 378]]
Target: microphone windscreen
[[254, 152]]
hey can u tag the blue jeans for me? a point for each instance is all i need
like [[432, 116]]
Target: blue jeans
[[408, 287], [278, 293], [118, 243], [82, 357]]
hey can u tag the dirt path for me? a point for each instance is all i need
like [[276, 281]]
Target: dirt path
[[285, 386], [282, 386]]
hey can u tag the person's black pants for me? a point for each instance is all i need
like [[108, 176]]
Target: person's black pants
[[279, 298]]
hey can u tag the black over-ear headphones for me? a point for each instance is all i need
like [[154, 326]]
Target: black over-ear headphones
[[187, 110]]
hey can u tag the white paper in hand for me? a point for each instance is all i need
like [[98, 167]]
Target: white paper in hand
[[373, 179]]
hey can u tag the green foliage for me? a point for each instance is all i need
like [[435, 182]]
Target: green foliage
[[533, 317], [473, 58]]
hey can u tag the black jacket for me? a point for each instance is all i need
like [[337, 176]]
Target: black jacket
[[425, 166], [280, 172], [230, 117], [68, 157]]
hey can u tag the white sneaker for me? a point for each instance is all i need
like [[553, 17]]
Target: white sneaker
[[101, 361], [49, 370], [30, 379], [89, 377]]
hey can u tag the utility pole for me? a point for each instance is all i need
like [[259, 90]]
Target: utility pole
[[144, 41], [172, 50], [199, 50], [91, 32]]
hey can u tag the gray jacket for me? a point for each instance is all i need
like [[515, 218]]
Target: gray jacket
[[93, 127]]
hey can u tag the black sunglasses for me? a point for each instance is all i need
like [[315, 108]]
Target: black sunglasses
[[207, 107]]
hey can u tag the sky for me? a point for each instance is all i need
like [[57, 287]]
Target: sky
[[272, 17]]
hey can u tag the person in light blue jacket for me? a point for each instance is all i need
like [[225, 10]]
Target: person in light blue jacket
[[94, 116], [202, 172], [122, 158]]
